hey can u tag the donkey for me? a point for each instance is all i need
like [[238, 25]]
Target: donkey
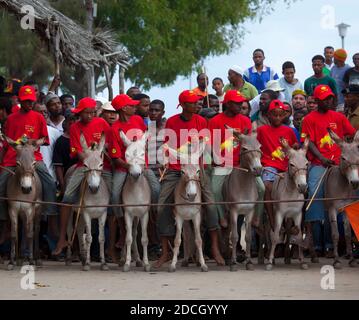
[[342, 181], [95, 192], [188, 191], [292, 186], [240, 185], [24, 185], [136, 190]]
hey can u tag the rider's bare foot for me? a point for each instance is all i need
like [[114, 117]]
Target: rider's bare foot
[[163, 259], [61, 244], [218, 257]]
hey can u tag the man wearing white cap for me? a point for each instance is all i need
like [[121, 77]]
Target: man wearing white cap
[[109, 113], [235, 77], [271, 85]]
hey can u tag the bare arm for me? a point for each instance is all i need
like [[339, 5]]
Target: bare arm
[[59, 171], [314, 150]]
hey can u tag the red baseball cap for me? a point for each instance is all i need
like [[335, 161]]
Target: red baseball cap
[[322, 92], [27, 93], [277, 104], [83, 104], [188, 96], [123, 100], [235, 96]]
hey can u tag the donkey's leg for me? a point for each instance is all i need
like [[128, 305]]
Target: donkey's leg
[[234, 217], [129, 222], [198, 240], [144, 240], [348, 240], [30, 233], [274, 235], [298, 223], [248, 238], [101, 239], [80, 236], [14, 239], [335, 235], [69, 231], [87, 220], [179, 223], [134, 246], [37, 221]]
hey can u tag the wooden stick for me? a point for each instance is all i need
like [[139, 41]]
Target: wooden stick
[[83, 188], [8, 170], [318, 186], [162, 174], [241, 169]]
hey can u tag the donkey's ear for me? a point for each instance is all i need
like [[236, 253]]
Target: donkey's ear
[[83, 143], [124, 139], [235, 132], [356, 137], [254, 127], [335, 137], [39, 142], [101, 144], [306, 145]]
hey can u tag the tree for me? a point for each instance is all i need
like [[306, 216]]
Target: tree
[[165, 38]]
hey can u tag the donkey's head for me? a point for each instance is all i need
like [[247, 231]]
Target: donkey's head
[[93, 162], [135, 154], [25, 162], [190, 169], [250, 154], [349, 160], [297, 164]]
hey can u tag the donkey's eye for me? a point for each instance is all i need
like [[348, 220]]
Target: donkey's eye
[[33, 163], [18, 163]]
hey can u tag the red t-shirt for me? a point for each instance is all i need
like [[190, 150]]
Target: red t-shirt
[[32, 124], [315, 126], [228, 152], [116, 146], [177, 123], [273, 154], [92, 132]]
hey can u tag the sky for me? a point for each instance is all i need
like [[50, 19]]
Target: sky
[[295, 33]]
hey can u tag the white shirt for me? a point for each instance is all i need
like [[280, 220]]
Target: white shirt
[[47, 151], [56, 126], [289, 88], [255, 102]]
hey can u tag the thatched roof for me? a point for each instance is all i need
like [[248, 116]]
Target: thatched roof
[[76, 45]]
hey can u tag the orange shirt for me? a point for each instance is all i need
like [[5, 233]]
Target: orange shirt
[[199, 92]]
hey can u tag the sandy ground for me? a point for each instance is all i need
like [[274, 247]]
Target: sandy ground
[[57, 281]]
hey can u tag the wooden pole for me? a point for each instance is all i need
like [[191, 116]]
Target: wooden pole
[[108, 80], [122, 79]]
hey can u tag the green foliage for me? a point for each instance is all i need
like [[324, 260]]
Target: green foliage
[[165, 38]]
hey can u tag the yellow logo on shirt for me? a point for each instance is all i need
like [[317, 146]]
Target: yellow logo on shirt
[[73, 149], [113, 150], [227, 144], [303, 135], [278, 154], [326, 140]]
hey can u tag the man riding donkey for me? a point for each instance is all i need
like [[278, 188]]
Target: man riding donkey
[[133, 126], [26, 126], [92, 129], [176, 125], [324, 152]]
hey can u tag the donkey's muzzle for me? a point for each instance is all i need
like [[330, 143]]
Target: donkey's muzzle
[[26, 190], [302, 188], [93, 189], [257, 171], [191, 197]]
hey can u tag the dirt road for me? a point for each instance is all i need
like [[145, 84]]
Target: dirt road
[[56, 281]]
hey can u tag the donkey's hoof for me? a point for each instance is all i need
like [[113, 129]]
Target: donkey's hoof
[[10, 267], [104, 267], [171, 268], [126, 267], [250, 266], [86, 267], [269, 266], [184, 263], [314, 260], [287, 261], [139, 264], [204, 268], [233, 267], [147, 268], [121, 263], [353, 263], [304, 266], [337, 265]]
